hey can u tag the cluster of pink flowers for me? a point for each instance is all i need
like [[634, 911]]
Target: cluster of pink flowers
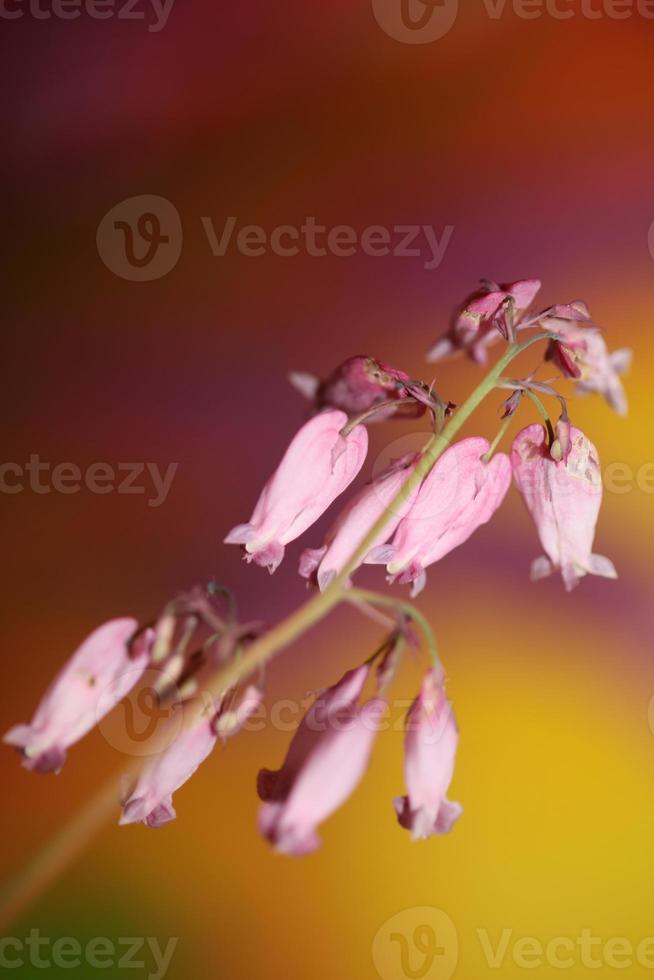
[[555, 469]]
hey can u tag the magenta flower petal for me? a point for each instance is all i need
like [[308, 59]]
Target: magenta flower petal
[[325, 761], [476, 323], [99, 674], [582, 354], [430, 746], [317, 467], [564, 500], [356, 386], [355, 521], [461, 493], [150, 800]]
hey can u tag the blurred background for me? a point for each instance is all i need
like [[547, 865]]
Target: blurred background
[[530, 138]]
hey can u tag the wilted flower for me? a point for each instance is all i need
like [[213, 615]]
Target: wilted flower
[[101, 672], [325, 761], [430, 746], [356, 520], [356, 386], [582, 355], [563, 499], [461, 493], [483, 315], [317, 467]]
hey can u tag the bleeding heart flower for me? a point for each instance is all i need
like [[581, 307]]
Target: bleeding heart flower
[[326, 759], [582, 355], [317, 467], [101, 672], [483, 317], [461, 493], [564, 500], [430, 746], [356, 386], [356, 520], [150, 800]]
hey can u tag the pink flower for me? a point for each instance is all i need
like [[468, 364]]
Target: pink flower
[[483, 314], [326, 759], [430, 746], [461, 493], [101, 672], [563, 499], [356, 520], [317, 467], [582, 355], [151, 799], [356, 386]]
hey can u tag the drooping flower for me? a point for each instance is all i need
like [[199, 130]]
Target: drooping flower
[[461, 493], [101, 672], [317, 467], [356, 520], [430, 746], [582, 355], [326, 759], [564, 500], [150, 800], [482, 318], [356, 386]]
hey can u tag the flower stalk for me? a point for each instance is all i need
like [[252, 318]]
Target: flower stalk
[[264, 542]]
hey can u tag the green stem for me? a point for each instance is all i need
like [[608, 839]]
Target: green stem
[[543, 411], [432, 451], [498, 438], [65, 847], [358, 596]]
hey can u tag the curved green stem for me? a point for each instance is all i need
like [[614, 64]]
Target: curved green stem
[[358, 596], [498, 438], [66, 846]]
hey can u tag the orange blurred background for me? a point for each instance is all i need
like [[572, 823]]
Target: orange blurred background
[[533, 140]]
